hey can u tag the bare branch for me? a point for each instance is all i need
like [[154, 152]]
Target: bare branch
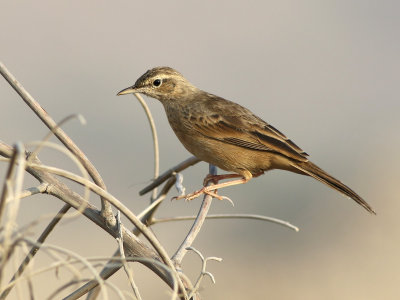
[[195, 229], [167, 174], [84, 289], [36, 247], [133, 246], [9, 175], [74, 159], [13, 190], [131, 217], [231, 216], [203, 270], [155, 139], [41, 188], [112, 266], [106, 210], [128, 271], [59, 124]]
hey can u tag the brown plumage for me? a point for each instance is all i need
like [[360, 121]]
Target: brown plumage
[[227, 134]]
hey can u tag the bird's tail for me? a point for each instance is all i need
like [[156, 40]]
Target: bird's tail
[[308, 168]]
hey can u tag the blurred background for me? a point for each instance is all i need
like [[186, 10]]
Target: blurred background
[[325, 73]]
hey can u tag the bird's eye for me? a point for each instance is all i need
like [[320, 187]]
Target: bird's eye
[[157, 82]]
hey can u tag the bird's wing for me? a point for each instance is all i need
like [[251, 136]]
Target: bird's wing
[[231, 123]]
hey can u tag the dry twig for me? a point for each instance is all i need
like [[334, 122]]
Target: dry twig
[[62, 136], [131, 248]]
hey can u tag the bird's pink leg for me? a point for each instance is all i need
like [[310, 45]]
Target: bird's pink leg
[[212, 189], [216, 178]]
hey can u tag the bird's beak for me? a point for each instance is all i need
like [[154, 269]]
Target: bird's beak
[[129, 90]]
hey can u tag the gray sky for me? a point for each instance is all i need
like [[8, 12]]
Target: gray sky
[[326, 73]]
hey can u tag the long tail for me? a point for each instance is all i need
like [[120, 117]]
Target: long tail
[[308, 168]]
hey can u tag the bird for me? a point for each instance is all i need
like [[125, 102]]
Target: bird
[[227, 135]]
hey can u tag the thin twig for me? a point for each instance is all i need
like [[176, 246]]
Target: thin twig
[[41, 188], [39, 147], [9, 175], [82, 291], [111, 267], [70, 283], [74, 159], [64, 251], [231, 216], [155, 140], [133, 246], [197, 224], [119, 205], [128, 271], [167, 174], [36, 247], [14, 187], [18, 182], [147, 215], [204, 271], [111, 270], [62, 136]]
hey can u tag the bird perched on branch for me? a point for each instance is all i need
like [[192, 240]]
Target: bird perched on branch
[[227, 134]]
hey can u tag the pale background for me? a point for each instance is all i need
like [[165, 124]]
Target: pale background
[[326, 73]]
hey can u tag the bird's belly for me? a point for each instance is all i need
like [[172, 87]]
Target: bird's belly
[[226, 156]]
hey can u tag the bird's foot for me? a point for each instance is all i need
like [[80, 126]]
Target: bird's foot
[[215, 195], [194, 195], [205, 190], [212, 189]]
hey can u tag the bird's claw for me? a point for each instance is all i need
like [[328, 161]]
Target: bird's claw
[[191, 196], [215, 195], [212, 193]]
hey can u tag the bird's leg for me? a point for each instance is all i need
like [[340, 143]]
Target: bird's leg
[[225, 184], [210, 190], [216, 178]]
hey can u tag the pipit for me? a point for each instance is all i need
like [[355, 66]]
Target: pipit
[[227, 135]]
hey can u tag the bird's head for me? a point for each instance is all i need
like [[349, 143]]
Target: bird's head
[[162, 83]]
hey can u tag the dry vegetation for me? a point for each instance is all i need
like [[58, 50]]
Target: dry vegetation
[[16, 241]]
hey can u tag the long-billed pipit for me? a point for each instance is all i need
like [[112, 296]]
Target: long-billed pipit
[[226, 134]]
